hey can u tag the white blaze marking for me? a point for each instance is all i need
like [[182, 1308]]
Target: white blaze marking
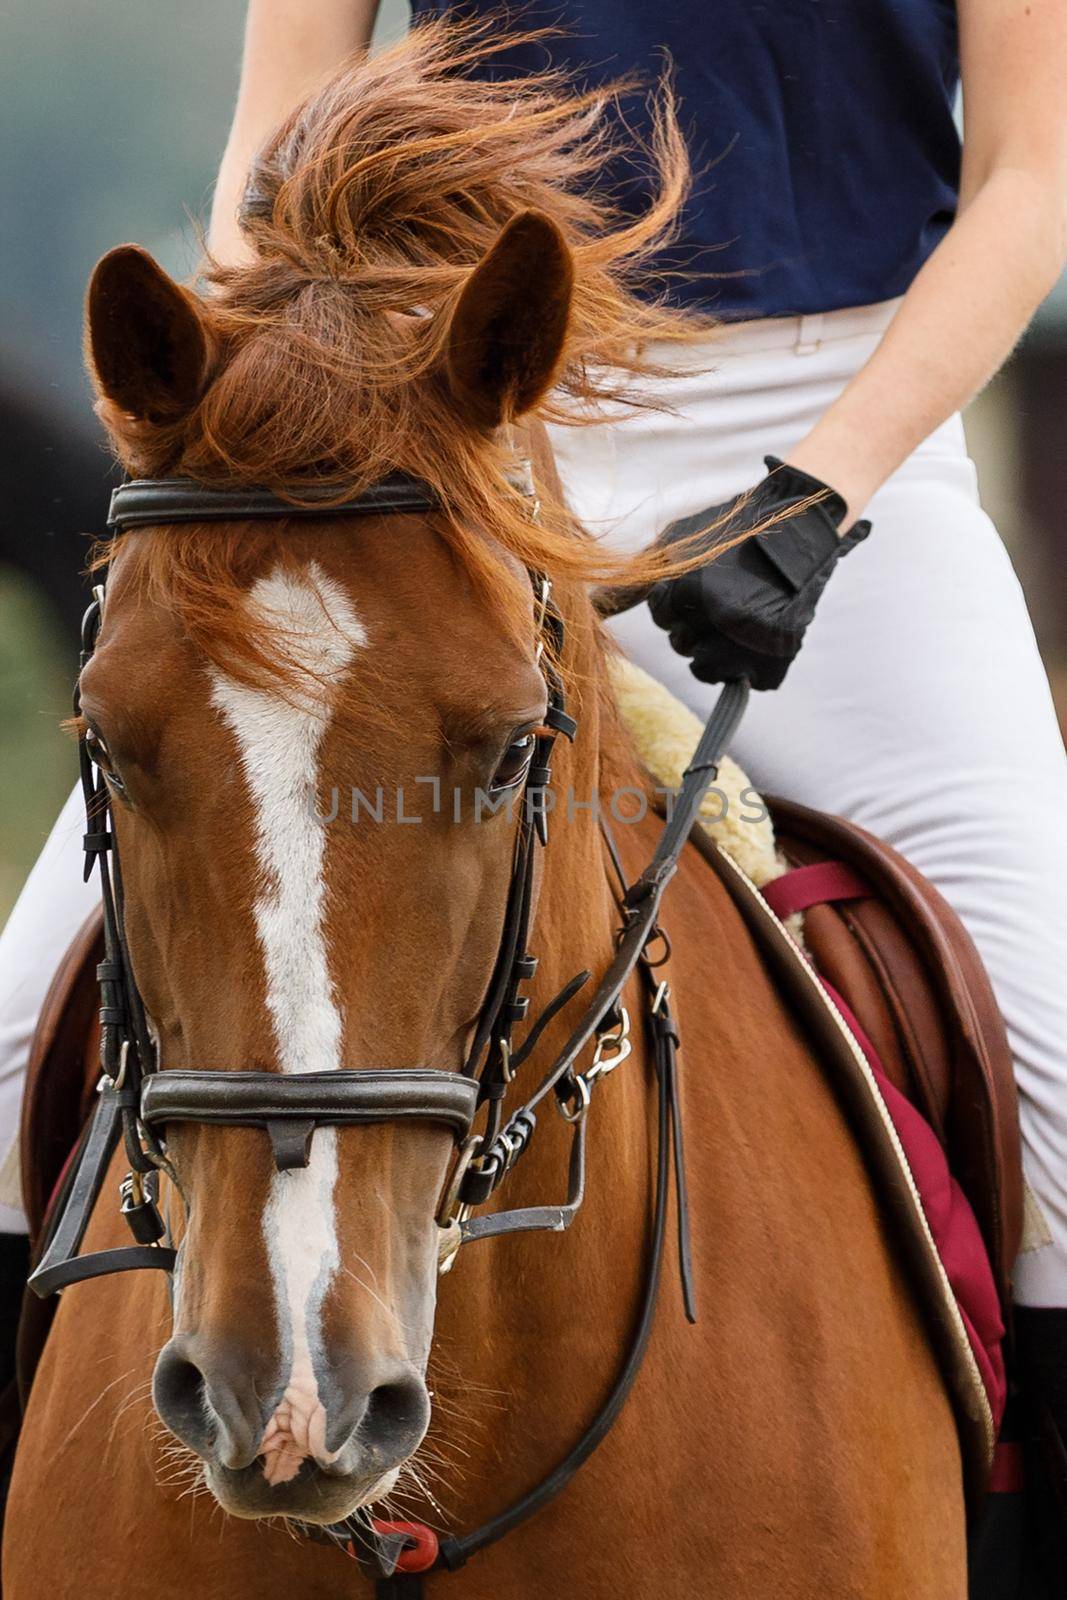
[[279, 740]]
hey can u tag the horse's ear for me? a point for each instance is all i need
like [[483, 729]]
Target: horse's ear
[[506, 336], [147, 340]]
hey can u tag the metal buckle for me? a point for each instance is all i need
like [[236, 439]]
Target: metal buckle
[[514, 1142], [119, 1079], [617, 1041], [448, 1242], [447, 1211]]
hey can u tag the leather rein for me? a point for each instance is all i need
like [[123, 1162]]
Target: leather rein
[[138, 1099]]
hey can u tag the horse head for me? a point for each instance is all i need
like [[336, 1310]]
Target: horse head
[[312, 729], [315, 870]]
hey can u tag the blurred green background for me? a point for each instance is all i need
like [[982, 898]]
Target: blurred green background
[[113, 115]]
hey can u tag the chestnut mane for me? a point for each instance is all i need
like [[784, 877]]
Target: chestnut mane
[[364, 216]]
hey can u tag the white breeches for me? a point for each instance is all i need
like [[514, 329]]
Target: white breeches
[[918, 706], [48, 913]]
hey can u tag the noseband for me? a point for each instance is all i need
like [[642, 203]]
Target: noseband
[[139, 1101]]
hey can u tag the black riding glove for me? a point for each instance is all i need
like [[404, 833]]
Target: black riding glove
[[744, 615]]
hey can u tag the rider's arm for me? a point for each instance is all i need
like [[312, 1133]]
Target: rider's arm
[[975, 295], [289, 45]]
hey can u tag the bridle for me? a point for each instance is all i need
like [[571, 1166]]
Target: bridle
[[138, 1100]]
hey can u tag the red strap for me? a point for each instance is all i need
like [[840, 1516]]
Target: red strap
[[822, 882], [423, 1545]]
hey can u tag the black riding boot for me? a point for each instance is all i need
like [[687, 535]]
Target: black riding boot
[[1041, 1357], [1018, 1547], [14, 1267]]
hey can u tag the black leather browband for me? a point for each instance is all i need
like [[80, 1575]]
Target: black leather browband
[[292, 1106], [145, 501]]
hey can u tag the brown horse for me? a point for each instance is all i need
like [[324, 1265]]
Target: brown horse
[[425, 273]]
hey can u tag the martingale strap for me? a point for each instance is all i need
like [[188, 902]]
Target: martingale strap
[[456, 1551]]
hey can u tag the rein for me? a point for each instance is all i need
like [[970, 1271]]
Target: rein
[[138, 1099]]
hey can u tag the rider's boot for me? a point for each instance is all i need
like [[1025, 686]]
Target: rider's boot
[[14, 1267], [1041, 1356]]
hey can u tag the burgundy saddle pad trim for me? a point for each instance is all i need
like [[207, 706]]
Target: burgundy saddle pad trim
[[821, 883], [952, 1222]]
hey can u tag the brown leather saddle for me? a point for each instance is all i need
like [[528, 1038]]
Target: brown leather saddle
[[896, 951], [874, 927]]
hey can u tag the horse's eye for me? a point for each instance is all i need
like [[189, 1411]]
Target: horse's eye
[[516, 760], [100, 756]]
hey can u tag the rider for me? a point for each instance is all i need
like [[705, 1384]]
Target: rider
[[880, 280]]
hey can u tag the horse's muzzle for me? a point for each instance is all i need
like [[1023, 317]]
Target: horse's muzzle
[[326, 1462]]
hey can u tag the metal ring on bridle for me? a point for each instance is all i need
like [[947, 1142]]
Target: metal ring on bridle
[[577, 1090], [657, 935], [612, 1049]]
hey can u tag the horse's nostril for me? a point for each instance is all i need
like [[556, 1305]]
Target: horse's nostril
[[396, 1417], [180, 1398]]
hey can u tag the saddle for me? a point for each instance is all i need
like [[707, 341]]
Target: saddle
[[893, 948]]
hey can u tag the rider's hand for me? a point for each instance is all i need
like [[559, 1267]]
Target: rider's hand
[[744, 614]]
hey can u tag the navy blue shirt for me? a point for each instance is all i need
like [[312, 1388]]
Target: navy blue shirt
[[821, 132]]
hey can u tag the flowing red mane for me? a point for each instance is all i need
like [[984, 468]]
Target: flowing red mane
[[364, 217]]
